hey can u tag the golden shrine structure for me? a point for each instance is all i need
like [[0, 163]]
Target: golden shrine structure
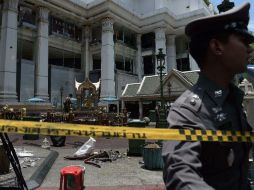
[[85, 109]]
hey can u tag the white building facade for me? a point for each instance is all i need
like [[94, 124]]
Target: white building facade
[[46, 45]]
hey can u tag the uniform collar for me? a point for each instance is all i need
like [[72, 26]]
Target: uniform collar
[[217, 93]]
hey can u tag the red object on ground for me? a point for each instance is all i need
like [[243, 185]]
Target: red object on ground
[[72, 177]]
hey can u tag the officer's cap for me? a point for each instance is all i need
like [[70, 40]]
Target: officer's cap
[[234, 20]]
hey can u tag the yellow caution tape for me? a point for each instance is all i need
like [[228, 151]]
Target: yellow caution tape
[[65, 129]]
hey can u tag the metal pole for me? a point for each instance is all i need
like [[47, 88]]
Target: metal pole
[[161, 85], [61, 94], [161, 60]]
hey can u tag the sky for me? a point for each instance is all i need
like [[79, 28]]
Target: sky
[[237, 3]]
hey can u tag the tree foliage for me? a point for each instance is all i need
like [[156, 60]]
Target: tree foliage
[[207, 2]]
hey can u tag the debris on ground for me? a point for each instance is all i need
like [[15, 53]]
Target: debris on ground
[[21, 152], [105, 156], [76, 157], [87, 148], [28, 162], [45, 144], [93, 163], [95, 158], [26, 158]]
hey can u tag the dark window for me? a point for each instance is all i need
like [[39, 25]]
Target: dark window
[[78, 33], [57, 26], [96, 64], [119, 65], [149, 65], [183, 64], [74, 62], [96, 35], [128, 66], [119, 35], [94, 75], [26, 15], [125, 36], [69, 62], [148, 40], [77, 64], [130, 40], [56, 61], [66, 29]]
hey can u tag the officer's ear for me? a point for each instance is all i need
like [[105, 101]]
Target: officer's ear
[[216, 46]]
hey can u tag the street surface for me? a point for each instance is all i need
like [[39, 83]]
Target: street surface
[[126, 172]]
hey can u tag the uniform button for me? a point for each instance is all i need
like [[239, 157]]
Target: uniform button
[[193, 102], [195, 96]]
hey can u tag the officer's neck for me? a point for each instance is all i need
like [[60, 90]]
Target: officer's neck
[[218, 75]]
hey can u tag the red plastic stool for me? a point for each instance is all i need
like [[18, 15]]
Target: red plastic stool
[[72, 177]]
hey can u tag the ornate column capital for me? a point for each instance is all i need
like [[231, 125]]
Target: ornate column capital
[[11, 5], [86, 32], [138, 39], [160, 33], [43, 14], [107, 25]]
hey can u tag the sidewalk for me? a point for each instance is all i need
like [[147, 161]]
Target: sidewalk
[[124, 173]]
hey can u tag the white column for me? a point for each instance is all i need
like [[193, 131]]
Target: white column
[[41, 57], [140, 107], [139, 67], [8, 52], [85, 50], [122, 105], [107, 59], [193, 63], [160, 42], [90, 61], [171, 52]]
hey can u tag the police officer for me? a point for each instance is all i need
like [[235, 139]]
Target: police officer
[[220, 46]]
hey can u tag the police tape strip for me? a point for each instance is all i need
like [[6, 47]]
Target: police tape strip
[[64, 129]]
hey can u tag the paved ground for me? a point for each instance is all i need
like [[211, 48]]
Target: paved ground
[[124, 173]]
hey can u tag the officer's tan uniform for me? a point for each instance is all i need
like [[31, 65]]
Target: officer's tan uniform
[[207, 165]]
